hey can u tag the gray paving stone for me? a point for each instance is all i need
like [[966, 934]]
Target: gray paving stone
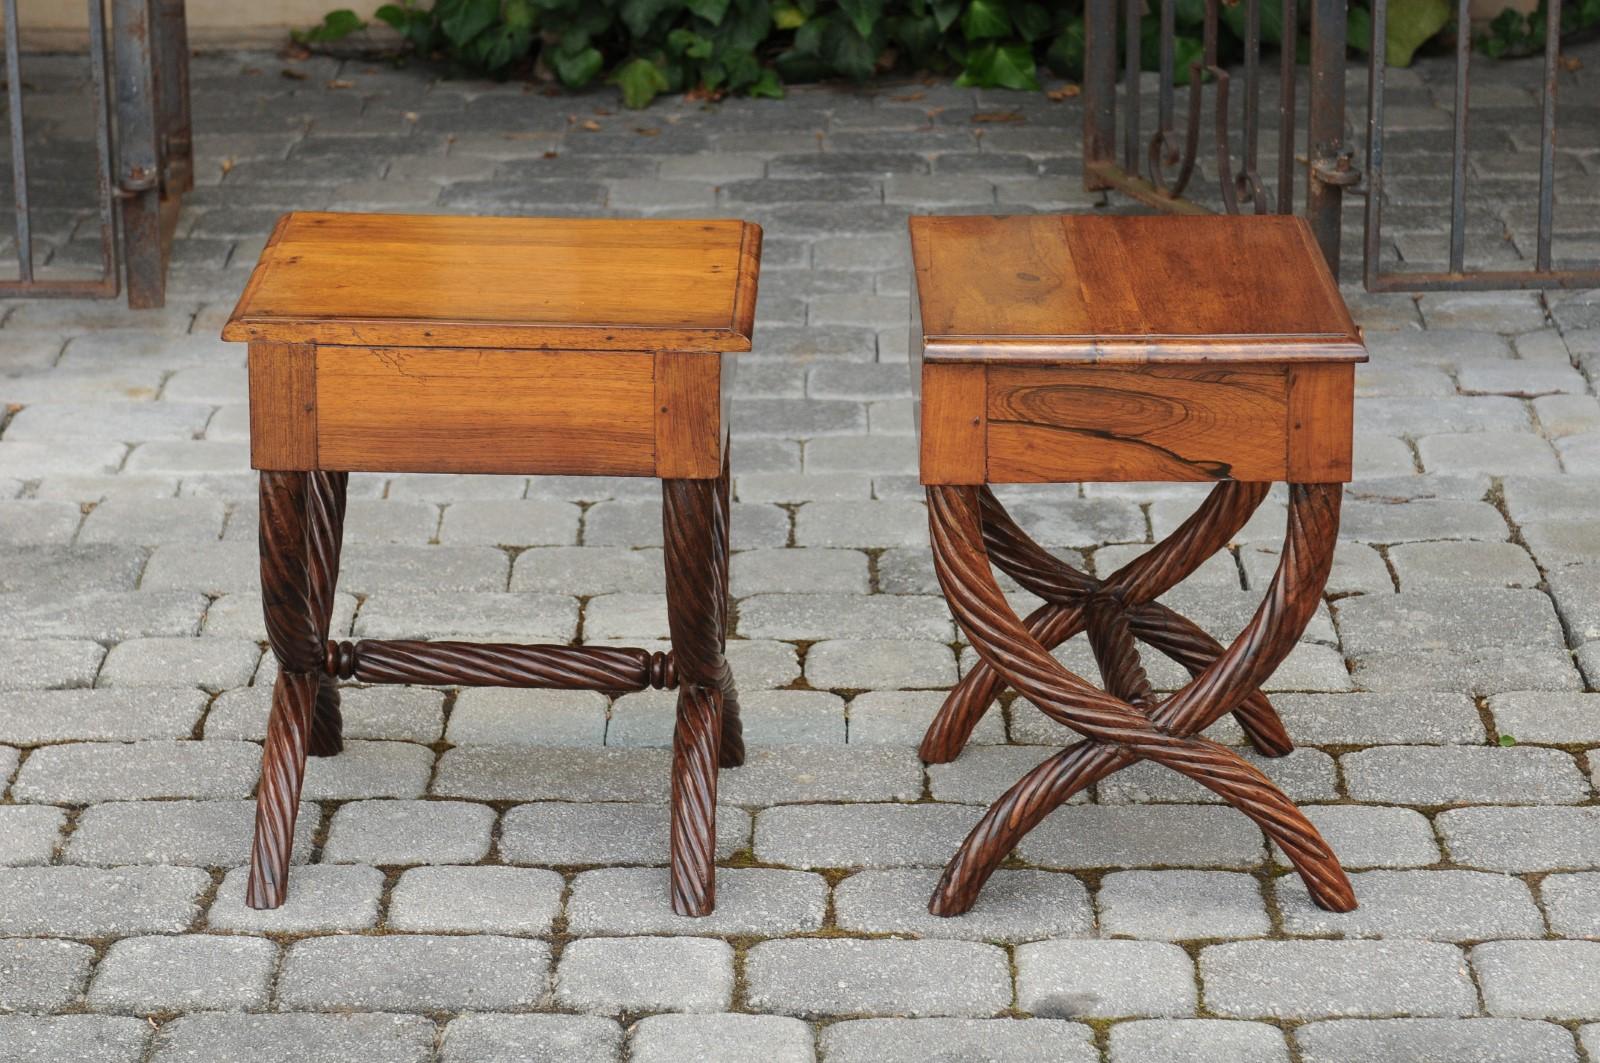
[[402, 714], [1481, 671], [178, 833], [1132, 836], [490, 716], [212, 664], [862, 835], [1420, 717], [1196, 1041], [71, 569], [109, 616], [787, 774], [981, 774], [1460, 775], [29, 834], [721, 1039], [89, 902], [813, 617], [42, 974], [50, 716], [901, 717], [1434, 1041], [770, 718], [1372, 836], [148, 975], [532, 1039], [1421, 565], [1181, 905], [878, 664], [562, 834], [367, 770], [80, 1038], [473, 616], [123, 422], [409, 832], [413, 973], [750, 901], [1547, 716], [148, 521], [588, 570], [818, 978], [321, 898], [8, 762], [1536, 498], [46, 663], [815, 570], [1572, 904], [1016, 905], [495, 900], [1437, 905], [510, 523], [1336, 979], [1539, 979], [1522, 839], [1104, 979], [215, 568], [215, 1037], [489, 773], [102, 771], [1305, 775], [1562, 542], [1457, 617], [907, 1040], [1420, 519], [609, 976]]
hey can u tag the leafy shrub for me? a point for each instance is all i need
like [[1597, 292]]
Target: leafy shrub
[[751, 47]]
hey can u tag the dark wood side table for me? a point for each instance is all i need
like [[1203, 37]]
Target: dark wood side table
[[390, 343], [1056, 349]]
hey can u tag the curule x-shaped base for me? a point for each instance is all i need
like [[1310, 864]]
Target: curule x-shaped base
[[1125, 723], [1132, 588]]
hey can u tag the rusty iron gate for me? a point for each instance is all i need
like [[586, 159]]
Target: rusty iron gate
[[143, 155], [1456, 276], [1159, 170]]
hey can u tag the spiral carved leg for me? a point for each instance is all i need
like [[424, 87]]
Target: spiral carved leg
[[326, 514], [694, 534], [1117, 732], [295, 630], [732, 749], [1064, 589]]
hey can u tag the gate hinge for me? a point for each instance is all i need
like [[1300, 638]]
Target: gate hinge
[[1338, 169]]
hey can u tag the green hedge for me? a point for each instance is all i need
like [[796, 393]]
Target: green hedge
[[752, 47]]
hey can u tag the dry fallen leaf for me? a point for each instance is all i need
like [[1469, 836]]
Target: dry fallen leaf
[[1571, 63], [998, 116], [341, 83], [647, 131], [227, 167], [292, 75], [552, 155], [909, 97], [411, 116], [1065, 92], [592, 126]]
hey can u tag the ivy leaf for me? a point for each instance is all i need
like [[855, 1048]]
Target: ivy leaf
[[576, 69], [710, 10], [1412, 23], [788, 17], [919, 35], [1271, 20], [1066, 51], [639, 81], [689, 44], [465, 19], [1032, 20], [335, 25], [639, 15], [848, 52], [1005, 66], [1507, 741], [985, 19], [945, 12], [863, 14], [519, 15], [767, 85]]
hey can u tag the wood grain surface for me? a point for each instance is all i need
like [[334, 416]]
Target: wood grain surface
[[537, 283], [283, 406], [398, 409], [1091, 288]]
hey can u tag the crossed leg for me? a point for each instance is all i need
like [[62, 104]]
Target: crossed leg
[[708, 732], [1134, 586], [1117, 732]]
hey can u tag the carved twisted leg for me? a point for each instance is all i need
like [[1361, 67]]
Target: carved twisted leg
[[1117, 732], [732, 754], [297, 633], [1129, 589], [695, 541], [326, 533]]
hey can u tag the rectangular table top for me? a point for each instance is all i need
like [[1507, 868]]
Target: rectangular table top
[[1126, 289], [528, 283]]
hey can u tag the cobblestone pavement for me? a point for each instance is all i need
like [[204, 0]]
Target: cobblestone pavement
[[482, 870]]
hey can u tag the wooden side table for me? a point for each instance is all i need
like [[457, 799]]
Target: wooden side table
[[494, 345], [1055, 349]]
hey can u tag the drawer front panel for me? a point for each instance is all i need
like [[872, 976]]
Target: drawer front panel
[[1193, 422], [410, 409]]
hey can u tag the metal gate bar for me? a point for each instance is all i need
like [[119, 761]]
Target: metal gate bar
[[1457, 277], [1158, 173], [26, 282]]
